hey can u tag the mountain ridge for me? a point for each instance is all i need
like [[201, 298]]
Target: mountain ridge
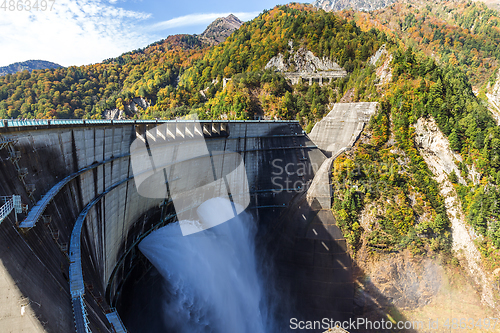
[[214, 34], [362, 5], [29, 65], [370, 5]]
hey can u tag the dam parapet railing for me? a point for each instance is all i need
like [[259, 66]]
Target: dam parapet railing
[[9, 123]]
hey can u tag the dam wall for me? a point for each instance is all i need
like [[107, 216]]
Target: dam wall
[[65, 258], [341, 127]]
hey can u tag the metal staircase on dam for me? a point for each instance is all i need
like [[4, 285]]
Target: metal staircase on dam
[[10, 204], [14, 156], [117, 323], [82, 324], [5, 142]]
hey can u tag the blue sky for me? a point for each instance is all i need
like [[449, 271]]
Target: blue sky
[[80, 32]]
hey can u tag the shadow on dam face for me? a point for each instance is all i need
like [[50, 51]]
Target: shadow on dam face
[[303, 264]]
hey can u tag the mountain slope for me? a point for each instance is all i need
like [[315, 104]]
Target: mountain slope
[[456, 33], [29, 65], [87, 91], [428, 57]]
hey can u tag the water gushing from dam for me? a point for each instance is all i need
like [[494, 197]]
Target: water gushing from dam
[[211, 279]]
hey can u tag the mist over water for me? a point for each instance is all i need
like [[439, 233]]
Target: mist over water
[[210, 277]]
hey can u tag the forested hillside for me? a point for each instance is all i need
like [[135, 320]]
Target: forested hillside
[[443, 53], [86, 91], [420, 88], [180, 74], [460, 33], [245, 53]]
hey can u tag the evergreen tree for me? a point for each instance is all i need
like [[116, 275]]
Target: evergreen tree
[[454, 141]]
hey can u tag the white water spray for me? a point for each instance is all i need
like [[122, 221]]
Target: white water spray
[[211, 275]]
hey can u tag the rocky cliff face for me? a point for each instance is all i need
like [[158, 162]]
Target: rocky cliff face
[[220, 29], [130, 109], [382, 62], [436, 152], [302, 61], [366, 5], [493, 95]]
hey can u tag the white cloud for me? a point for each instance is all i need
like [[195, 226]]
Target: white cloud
[[78, 32], [196, 19], [73, 33]]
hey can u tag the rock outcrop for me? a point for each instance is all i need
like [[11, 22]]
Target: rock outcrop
[[493, 4], [302, 61], [137, 101], [129, 109], [409, 283], [432, 142], [303, 64], [114, 114], [29, 65], [382, 60]]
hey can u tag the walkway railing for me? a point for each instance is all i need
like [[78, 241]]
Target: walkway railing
[[116, 321], [37, 210], [76, 285], [11, 203], [82, 324], [6, 209], [6, 123]]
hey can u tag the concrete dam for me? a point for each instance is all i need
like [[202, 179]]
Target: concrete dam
[[73, 216]]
